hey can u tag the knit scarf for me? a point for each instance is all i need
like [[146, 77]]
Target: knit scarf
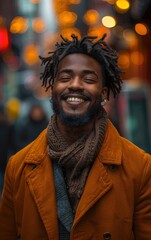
[[76, 159]]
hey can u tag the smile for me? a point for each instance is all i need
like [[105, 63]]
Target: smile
[[74, 99]]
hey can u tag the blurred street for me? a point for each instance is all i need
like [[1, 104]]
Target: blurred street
[[30, 28]]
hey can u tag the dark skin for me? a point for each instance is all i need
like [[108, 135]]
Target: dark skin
[[77, 87]]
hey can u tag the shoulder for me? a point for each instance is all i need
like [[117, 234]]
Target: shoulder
[[133, 163], [33, 152], [119, 150], [134, 157]]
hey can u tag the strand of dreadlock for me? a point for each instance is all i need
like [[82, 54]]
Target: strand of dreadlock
[[65, 39], [46, 74], [87, 38], [66, 50], [75, 39], [102, 56]]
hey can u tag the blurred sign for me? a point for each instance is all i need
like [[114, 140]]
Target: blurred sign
[[4, 39], [134, 117]]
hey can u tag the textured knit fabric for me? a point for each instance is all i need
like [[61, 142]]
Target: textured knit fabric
[[78, 157]]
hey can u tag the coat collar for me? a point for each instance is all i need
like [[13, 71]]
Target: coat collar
[[110, 153], [38, 150]]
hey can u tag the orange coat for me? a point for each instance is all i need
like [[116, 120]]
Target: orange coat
[[116, 198]]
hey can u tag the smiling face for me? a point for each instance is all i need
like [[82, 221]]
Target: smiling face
[[77, 92]]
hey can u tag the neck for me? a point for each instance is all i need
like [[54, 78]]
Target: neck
[[73, 133]]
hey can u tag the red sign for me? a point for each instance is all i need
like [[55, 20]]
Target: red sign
[[4, 39]]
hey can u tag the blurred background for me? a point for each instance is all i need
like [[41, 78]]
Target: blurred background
[[29, 28]]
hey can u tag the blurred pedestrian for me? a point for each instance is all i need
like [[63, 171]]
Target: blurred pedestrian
[[79, 180], [6, 142], [30, 126]]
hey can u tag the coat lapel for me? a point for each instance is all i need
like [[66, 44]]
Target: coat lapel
[[98, 183], [39, 177]]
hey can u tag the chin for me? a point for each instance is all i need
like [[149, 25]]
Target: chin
[[74, 120]]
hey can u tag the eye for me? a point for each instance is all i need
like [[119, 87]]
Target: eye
[[89, 80], [64, 78]]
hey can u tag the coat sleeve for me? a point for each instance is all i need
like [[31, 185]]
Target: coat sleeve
[[7, 211], [142, 211]]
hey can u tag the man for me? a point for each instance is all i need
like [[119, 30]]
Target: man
[[79, 180]]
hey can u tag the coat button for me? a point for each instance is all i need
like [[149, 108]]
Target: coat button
[[112, 167], [107, 236]]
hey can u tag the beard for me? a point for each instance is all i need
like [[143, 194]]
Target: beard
[[75, 120]]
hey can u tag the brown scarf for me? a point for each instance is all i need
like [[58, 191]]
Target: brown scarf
[[76, 159]]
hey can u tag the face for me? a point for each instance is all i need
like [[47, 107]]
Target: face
[[37, 113], [77, 92]]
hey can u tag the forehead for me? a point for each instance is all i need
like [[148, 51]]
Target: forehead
[[81, 62]]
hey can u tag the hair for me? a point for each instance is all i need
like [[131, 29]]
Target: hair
[[99, 50]]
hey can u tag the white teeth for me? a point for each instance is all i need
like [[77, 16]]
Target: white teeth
[[74, 99]]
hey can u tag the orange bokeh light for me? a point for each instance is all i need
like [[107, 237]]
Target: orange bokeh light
[[38, 25], [99, 32], [141, 29], [91, 17], [124, 60], [31, 55], [35, 1], [19, 25], [67, 19], [66, 32], [137, 58]]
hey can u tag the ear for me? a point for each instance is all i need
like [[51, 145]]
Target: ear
[[104, 93]]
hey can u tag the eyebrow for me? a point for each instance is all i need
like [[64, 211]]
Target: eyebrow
[[84, 71]]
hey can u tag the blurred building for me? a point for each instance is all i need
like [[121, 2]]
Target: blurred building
[[31, 28]]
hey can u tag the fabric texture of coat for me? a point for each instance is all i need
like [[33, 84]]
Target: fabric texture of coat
[[116, 202]]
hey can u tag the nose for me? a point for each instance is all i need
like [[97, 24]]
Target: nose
[[76, 83]]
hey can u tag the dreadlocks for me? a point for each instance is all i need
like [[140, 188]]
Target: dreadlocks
[[105, 55]]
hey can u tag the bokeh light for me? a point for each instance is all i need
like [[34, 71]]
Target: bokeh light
[[19, 25], [109, 21], [31, 54], [130, 37], [124, 60], [35, 1], [91, 17], [74, 1], [66, 32], [67, 19], [99, 32], [38, 25], [137, 58], [141, 28], [122, 6]]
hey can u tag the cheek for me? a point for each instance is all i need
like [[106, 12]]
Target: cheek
[[59, 88], [56, 90], [96, 92]]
